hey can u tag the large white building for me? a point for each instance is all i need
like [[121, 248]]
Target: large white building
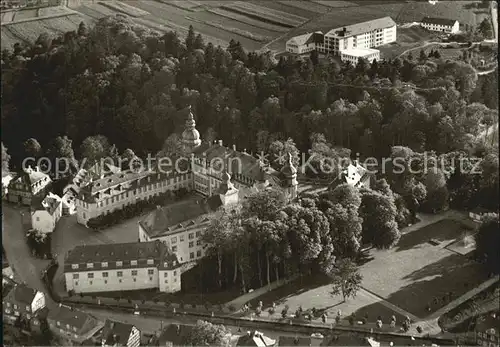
[[448, 26], [363, 35], [46, 213], [121, 267], [353, 55]]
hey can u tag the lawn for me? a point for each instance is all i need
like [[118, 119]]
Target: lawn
[[410, 276], [407, 38]]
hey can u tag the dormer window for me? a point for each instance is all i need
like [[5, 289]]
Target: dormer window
[[150, 262], [97, 184], [90, 265], [110, 180], [133, 262], [104, 264], [165, 264], [74, 266], [119, 263]]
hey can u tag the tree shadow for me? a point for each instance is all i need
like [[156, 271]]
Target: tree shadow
[[437, 284], [296, 287], [444, 230]]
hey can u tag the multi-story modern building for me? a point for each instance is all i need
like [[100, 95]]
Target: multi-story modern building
[[122, 266], [449, 26], [354, 38], [27, 184], [353, 55], [72, 324], [46, 213]]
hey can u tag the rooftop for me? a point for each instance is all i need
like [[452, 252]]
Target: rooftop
[[359, 52], [439, 21], [116, 333], [50, 203], [307, 38], [124, 252], [169, 219], [294, 341], [255, 339], [21, 294], [361, 28], [176, 334], [83, 322]]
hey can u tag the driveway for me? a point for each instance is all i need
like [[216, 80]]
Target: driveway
[[26, 267]]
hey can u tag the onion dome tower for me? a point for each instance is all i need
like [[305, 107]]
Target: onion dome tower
[[190, 136], [289, 173]]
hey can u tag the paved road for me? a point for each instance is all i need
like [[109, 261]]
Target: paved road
[[152, 324], [26, 267]]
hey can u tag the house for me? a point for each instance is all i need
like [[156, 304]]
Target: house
[[175, 335], [353, 55], [27, 184], [255, 339], [487, 331], [355, 175], [120, 334], [449, 26], [294, 341], [479, 214], [304, 43], [122, 266], [22, 302], [46, 213], [72, 324]]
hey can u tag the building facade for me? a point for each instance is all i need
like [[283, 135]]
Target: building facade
[[121, 267], [27, 184], [46, 214], [448, 26], [22, 302], [363, 35], [353, 55]]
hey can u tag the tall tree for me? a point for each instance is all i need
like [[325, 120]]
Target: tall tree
[[487, 240], [208, 334], [190, 39], [5, 161], [32, 148], [346, 279]]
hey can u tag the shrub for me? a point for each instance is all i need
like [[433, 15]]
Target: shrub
[[271, 311], [352, 320], [232, 308]]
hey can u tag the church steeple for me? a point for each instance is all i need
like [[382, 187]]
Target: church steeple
[[190, 136], [289, 173]]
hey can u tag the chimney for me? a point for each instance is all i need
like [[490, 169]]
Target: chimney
[[220, 143], [344, 30], [249, 333], [234, 148], [37, 169], [178, 327], [245, 150]]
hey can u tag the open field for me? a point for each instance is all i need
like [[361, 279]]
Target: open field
[[408, 38], [306, 5], [246, 20], [283, 7], [124, 8], [334, 4], [414, 276]]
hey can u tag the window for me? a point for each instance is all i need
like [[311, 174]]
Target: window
[[191, 255], [198, 253], [150, 262], [105, 281], [90, 265], [119, 273], [133, 262], [175, 273], [191, 236], [151, 272], [175, 279], [134, 272], [174, 239], [191, 244], [90, 275], [76, 283], [104, 274], [166, 280], [181, 238], [119, 263], [74, 266], [198, 233], [135, 279], [165, 274], [174, 248], [37, 219], [76, 276], [104, 264]]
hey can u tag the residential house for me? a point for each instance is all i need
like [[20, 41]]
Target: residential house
[[22, 302], [72, 324], [46, 213], [479, 214], [122, 266], [28, 184], [255, 339], [304, 43], [120, 334], [487, 331], [445, 25], [355, 175], [175, 335]]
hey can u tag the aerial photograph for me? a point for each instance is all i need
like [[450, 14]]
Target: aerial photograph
[[257, 173]]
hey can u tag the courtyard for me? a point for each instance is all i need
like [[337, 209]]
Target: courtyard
[[415, 278]]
